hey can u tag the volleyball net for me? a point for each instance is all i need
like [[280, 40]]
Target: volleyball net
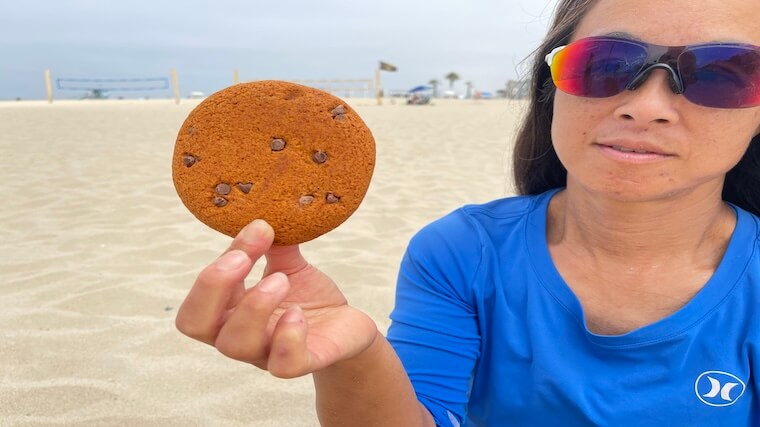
[[341, 87], [99, 87]]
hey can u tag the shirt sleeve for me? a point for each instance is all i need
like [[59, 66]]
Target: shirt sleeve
[[434, 326]]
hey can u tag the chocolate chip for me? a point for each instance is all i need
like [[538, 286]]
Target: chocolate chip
[[189, 160], [339, 112], [340, 109], [278, 144], [305, 200], [222, 188], [220, 202], [244, 187], [332, 198], [319, 157]]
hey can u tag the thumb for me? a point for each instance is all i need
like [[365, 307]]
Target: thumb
[[285, 259], [289, 357]]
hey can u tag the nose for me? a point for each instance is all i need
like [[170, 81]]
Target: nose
[[652, 100], [676, 85]]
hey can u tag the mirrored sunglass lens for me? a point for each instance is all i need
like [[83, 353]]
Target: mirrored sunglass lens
[[721, 76], [597, 68]]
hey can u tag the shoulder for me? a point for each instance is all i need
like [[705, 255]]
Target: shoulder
[[755, 220], [475, 223], [747, 225], [456, 244]]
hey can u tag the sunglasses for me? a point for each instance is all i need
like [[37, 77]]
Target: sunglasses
[[717, 75]]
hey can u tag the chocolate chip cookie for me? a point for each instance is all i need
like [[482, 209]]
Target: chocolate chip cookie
[[297, 157]]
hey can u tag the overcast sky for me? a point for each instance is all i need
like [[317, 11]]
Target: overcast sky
[[481, 40]]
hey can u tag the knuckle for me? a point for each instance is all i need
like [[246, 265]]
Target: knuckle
[[184, 325], [259, 303], [194, 332], [234, 350], [210, 277], [192, 329]]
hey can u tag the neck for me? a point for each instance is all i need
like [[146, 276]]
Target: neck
[[696, 227]]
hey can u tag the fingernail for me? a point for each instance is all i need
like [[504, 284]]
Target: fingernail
[[253, 231], [245, 232], [271, 283], [231, 260], [293, 315]]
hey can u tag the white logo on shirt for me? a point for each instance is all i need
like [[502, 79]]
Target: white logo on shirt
[[718, 388]]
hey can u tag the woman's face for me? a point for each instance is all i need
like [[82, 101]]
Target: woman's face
[[689, 148]]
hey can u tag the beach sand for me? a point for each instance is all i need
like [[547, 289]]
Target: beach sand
[[98, 252]]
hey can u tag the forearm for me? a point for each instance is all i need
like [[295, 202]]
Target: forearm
[[371, 390]]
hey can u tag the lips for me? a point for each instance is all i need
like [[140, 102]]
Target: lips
[[637, 147], [630, 150]]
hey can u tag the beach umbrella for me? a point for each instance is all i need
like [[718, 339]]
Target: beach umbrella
[[420, 89]]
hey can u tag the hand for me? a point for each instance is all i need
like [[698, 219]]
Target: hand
[[294, 321]]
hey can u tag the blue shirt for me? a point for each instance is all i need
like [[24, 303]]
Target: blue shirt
[[491, 335]]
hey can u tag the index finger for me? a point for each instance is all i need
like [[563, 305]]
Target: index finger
[[202, 313], [254, 239], [221, 285]]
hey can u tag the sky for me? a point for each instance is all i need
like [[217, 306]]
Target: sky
[[483, 41]]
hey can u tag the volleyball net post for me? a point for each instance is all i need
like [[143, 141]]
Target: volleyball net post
[[379, 88], [383, 66], [175, 84], [49, 86]]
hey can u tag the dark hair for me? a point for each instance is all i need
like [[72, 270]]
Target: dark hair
[[535, 165]]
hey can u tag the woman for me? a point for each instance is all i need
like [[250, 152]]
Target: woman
[[620, 289]]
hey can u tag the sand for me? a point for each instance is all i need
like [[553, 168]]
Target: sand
[[98, 252]]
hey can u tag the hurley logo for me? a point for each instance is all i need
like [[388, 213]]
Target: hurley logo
[[717, 388]]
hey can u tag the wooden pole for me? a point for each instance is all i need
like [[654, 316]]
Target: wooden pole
[[378, 87], [175, 83], [236, 77], [49, 86]]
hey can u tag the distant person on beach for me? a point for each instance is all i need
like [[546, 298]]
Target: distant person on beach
[[620, 288]]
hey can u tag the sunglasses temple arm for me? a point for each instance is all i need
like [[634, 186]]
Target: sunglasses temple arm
[[549, 58]]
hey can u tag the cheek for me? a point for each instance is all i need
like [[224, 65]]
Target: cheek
[[725, 136], [741, 121], [571, 122], [751, 120]]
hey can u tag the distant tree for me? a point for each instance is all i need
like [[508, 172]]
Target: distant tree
[[517, 89], [452, 77], [512, 89], [435, 84], [524, 91]]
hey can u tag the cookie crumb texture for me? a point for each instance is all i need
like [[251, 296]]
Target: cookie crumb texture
[[295, 156]]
